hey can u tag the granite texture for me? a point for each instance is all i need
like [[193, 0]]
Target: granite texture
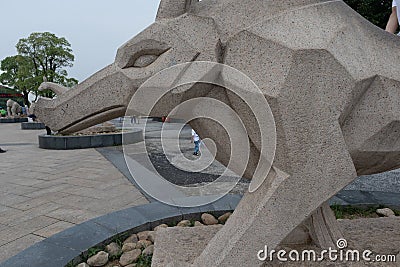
[[326, 74], [181, 245]]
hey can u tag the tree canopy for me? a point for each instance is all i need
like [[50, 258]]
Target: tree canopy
[[39, 55], [376, 11], [19, 74]]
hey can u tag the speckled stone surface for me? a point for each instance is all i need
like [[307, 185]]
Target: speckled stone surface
[[330, 78], [181, 244]]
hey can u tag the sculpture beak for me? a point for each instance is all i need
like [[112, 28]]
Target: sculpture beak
[[73, 110]]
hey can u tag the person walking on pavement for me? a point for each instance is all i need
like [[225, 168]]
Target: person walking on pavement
[[196, 141]]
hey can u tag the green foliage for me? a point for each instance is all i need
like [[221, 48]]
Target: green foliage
[[376, 11], [172, 224], [396, 212], [116, 257], [70, 264], [39, 55], [119, 239], [351, 212], [144, 261], [93, 251], [18, 73]]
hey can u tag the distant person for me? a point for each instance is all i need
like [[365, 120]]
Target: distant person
[[32, 116], [196, 141], [26, 110], [2, 151], [48, 130], [134, 120], [394, 19]]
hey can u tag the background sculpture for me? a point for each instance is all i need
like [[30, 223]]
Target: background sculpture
[[329, 76], [13, 108]]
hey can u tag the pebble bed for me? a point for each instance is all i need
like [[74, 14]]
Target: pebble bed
[[137, 249]]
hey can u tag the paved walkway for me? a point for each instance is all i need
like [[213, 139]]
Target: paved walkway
[[43, 192]]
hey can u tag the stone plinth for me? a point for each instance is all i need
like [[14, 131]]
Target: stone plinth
[[89, 141], [32, 126], [13, 120]]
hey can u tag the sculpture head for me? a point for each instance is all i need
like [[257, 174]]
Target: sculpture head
[[184, 30], [260, 39]]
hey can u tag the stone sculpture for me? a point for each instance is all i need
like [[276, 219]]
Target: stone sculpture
[[13, 108], [330, 78]]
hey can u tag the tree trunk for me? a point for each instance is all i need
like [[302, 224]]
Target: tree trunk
[[26, 99]]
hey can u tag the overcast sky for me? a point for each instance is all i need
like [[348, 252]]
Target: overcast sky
[[95, 28]]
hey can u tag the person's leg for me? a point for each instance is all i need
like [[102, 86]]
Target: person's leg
[[196, 147]]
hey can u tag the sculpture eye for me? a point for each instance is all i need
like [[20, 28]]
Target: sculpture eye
[[144, 58], [144, 61]]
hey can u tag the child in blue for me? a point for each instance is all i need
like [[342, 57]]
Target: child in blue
[[196, 141]]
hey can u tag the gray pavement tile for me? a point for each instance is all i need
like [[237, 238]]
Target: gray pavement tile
[[122, 220], [81, 182], [3, 208], [77, 201], [53, 229], [16, 218], [117, 203], [386, 198], [356, 197], [112, 184], [9, 213], [10, 199], [156, 212], [51, 196], [86, 192], [82, 236], [44, 208], [48, 183], [72, 215], [10, 249], [38, 255], [29, 204], [7, 187], [337, 201], [24, 228], [52, 189], [26, 181]]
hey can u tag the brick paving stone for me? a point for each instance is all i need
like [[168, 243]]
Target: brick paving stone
[[10, 249], [53, 229], [72, 215], [12, 233], [43, 192]]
